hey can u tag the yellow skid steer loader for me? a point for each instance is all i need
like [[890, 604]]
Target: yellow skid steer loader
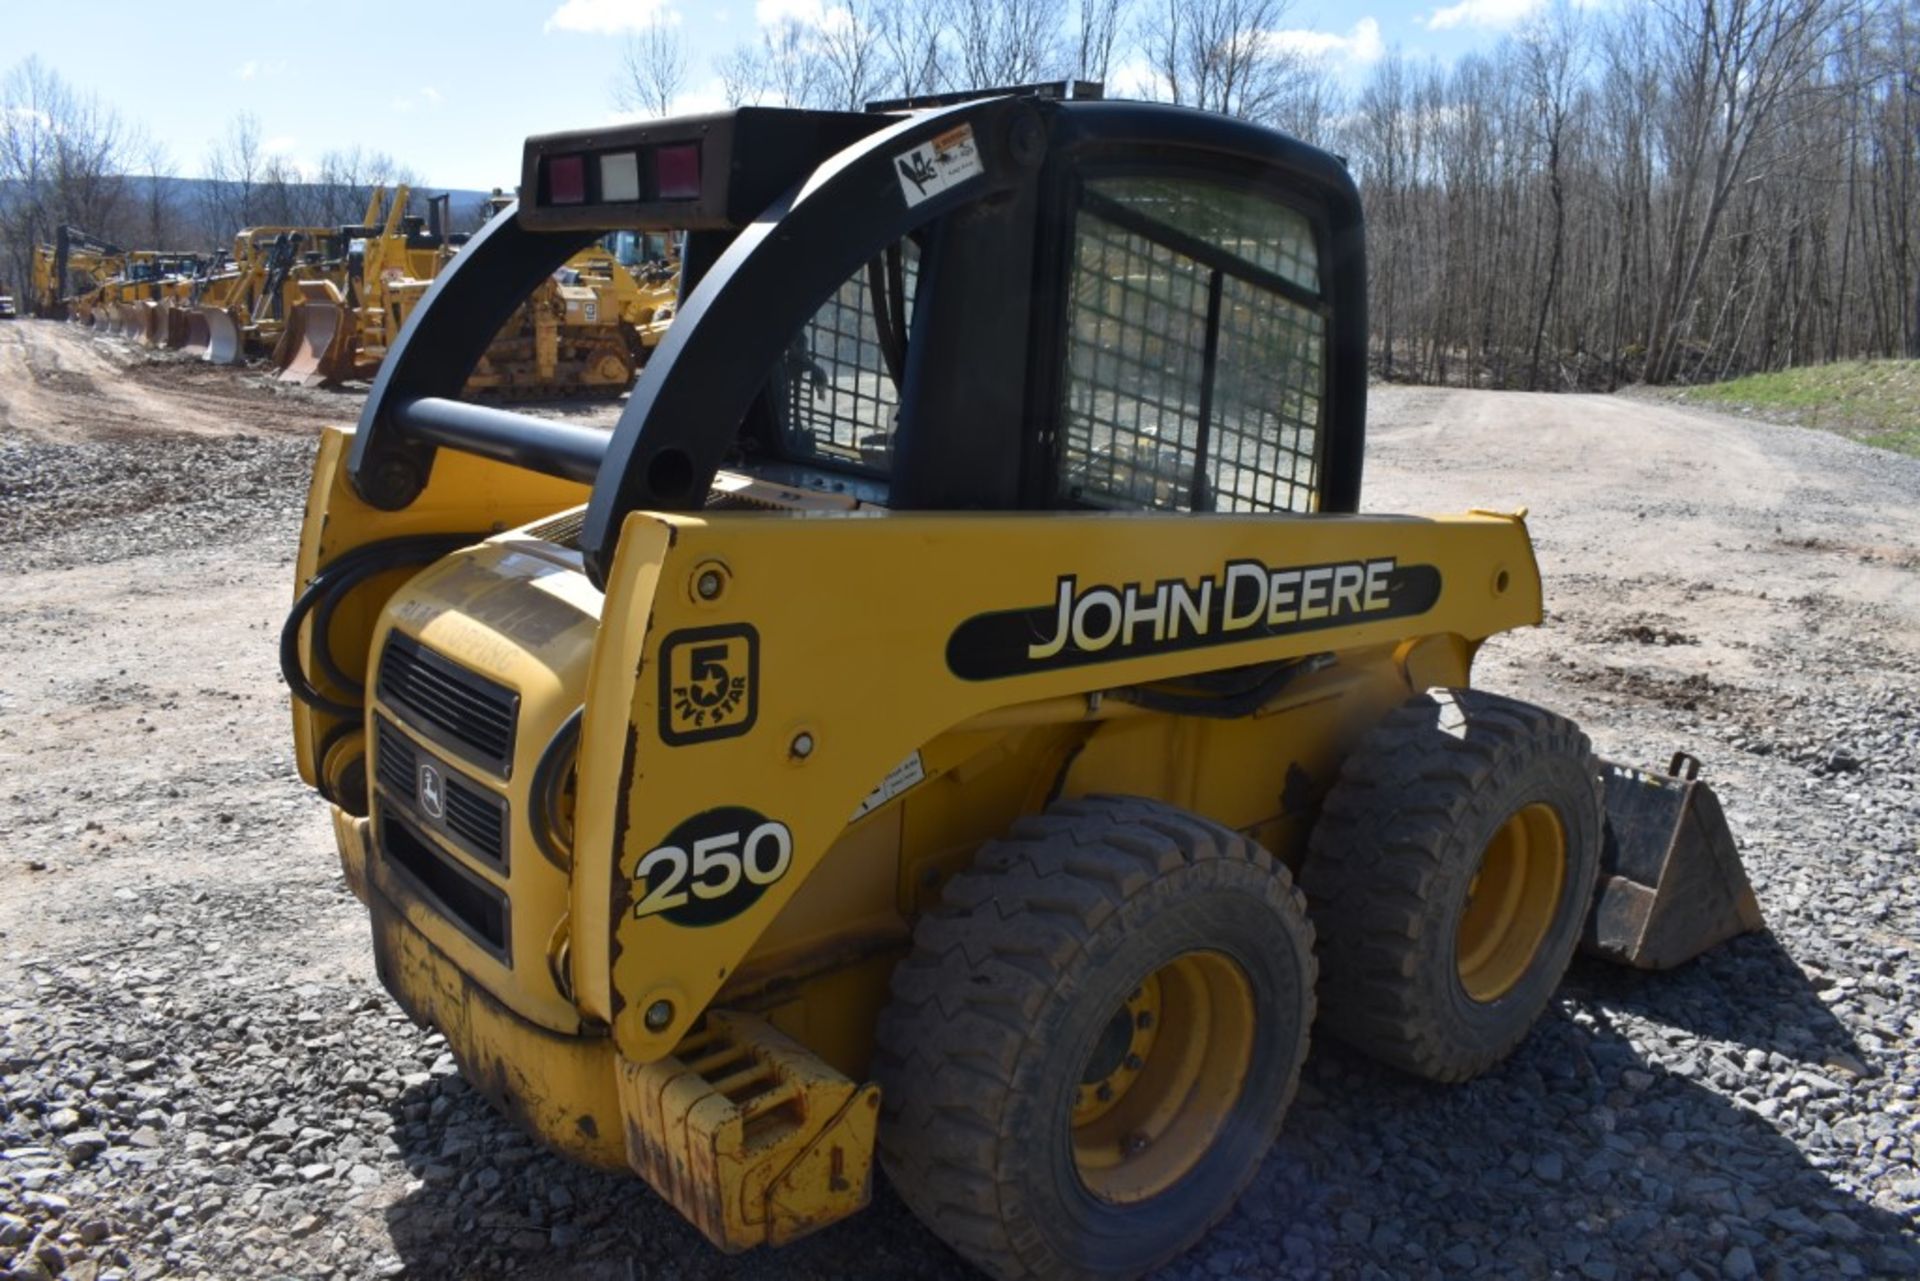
[[956, 718]]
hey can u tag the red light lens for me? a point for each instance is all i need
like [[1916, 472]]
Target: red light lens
[[676, 171], [567, 180]]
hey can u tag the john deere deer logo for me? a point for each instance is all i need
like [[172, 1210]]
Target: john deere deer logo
[[432, 792]]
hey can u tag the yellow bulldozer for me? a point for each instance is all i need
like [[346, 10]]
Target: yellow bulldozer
[[957, 718], [243, 308]]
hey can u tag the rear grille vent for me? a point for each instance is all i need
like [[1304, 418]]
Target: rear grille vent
[[449, 704], [479, 909], [475, 818], [563, 530]]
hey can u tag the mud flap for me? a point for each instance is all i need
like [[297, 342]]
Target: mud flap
[[1671, 882]]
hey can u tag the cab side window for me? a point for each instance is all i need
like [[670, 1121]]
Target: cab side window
[[1196, 342]]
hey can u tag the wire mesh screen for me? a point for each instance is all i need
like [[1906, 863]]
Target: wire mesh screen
[[1136, 363], [1264, 446], [841, 400], [1192, 382]]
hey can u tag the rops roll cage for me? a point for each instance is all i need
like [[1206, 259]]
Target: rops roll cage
[[780, 209]]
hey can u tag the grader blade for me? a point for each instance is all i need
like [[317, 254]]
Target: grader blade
[[1671, 882], [198, 332], [224, 343], [313, 349], [170, 324]]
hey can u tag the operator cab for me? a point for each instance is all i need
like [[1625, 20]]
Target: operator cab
[[1009, 303]]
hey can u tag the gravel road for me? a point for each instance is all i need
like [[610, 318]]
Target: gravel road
[[200, 1076]]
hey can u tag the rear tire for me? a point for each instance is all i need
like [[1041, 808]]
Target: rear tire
[[1449, 876], [1092, 1044]]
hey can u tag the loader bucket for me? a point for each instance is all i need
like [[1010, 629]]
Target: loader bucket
[[1671, 882], [147, 324], [224, 345]]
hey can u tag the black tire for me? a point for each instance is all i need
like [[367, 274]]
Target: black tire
[[1393, 856], [1012, 981]]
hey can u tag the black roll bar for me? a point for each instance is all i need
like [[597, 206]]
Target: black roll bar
[[700, 383]]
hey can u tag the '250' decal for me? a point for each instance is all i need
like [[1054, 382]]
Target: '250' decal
[[712, 867]]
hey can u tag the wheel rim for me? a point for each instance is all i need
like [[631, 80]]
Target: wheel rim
[[1163, 1076], [1511, 902]]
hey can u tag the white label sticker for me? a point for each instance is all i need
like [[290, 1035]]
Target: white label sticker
[[906, 774], [932, 167]]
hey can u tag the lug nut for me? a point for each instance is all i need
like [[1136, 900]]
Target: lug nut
[[659, 1016], [1144, 1019], [1134, 1144], [1134, 1063], [1104, 1092]]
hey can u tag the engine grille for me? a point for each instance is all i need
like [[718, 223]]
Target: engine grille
[[473, 817], [476, 907], [458, 709]]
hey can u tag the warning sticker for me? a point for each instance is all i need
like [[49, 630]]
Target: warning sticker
[[932, 167], [901, 777]]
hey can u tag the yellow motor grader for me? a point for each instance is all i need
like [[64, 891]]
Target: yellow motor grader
[[73, 254], [957, 716], [584, 330]]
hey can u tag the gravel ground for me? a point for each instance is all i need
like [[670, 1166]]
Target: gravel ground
[[199, 1075]]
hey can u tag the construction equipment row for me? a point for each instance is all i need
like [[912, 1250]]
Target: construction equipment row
[[324, 304]]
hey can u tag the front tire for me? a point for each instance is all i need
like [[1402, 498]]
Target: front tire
[[1094, 1040], [1449, 876]]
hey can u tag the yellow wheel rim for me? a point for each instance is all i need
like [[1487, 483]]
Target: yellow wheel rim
[[1511, 902], [1163, 1077]]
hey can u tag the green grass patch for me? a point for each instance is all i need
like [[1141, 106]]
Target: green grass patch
[[1874, 401]]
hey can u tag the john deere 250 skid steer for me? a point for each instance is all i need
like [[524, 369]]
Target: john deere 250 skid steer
[[956, 716]]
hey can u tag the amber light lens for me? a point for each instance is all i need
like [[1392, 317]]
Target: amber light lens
[[676, 171], [567, 180]]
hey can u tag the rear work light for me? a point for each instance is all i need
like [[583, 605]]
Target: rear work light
[[620, 177]]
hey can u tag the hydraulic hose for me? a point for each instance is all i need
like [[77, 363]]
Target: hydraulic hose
[[325, 591], [548, 792]]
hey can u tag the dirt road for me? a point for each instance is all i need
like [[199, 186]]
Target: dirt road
[[185, 983]]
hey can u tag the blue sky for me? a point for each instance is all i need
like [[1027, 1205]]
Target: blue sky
[[451, 89]]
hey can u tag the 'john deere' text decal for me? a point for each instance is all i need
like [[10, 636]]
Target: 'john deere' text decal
[[1246, 601]]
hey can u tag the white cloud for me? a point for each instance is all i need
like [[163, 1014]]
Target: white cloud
[[1359, 46], [609, 17], [280, 144], [426, 96], [254, 69], [811, 13], [1480, 13]]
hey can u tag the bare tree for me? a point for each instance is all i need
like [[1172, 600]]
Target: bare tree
[[1099, 26], [1553, 61], [1008, 42], [914, 41], [63, 159], [849, 53], [235, 166], [653, 69], [1219, 55]]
